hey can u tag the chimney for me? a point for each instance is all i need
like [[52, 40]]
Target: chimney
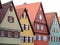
[[0, 4], [25, 3]]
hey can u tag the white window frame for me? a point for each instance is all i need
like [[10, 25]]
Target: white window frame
[[26, 27], [37, 26], [39, 38], [22, 38], [42, 27], [40, 17], [2, 33], [44, 38], [26, 39], [22, 25], [9, 34], [16, 34], [34, 37], [31, 39]]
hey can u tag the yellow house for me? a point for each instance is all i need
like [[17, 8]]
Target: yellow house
[[26, 36]]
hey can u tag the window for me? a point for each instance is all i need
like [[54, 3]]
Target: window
[[34, 37], [26, 27], [55, 30], [22, 25], [31, 39], [37, 27], [16, 34], [21, 38], [26, 39], [10, 19], [40, 17], [24, 15], [10, 8], [9, 34], [45, 38], [39, 38], [42, 27], [2, 33]]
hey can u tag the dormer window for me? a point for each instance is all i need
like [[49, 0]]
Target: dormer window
[[40, 17], [24, 15], [10, 19]]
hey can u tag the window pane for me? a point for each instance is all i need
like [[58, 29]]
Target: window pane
[[9, 34], [44, 38], [2, 33], [26, 27], [39, 38], [22, 25], [16, 34], [21, 38], [30, 39], [34, 37], [40, 17], [26, 39], [37, 26]]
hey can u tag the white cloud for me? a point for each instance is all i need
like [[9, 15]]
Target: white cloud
[[48, 5]]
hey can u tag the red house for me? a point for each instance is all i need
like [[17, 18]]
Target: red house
[[38, 21]]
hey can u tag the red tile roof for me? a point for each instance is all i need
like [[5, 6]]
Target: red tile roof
[[4, 10], [49, 18], [19, 12], [32, 10]]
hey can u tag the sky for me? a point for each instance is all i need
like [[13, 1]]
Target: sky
[[48, 5]]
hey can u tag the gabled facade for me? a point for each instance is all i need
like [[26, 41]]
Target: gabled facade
[[9, 25], [41, 28], [35, 11], [26, 36], [54, 37]]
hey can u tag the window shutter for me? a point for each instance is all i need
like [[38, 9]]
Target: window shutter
[[13, 34], [28, 39], [59, 39], [6, 33], [24, 38], [0, 32]]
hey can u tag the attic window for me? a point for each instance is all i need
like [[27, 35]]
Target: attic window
[[10, 8], [40, 17], [24, 15], [55, 22], [55, 30], [10, 19]]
